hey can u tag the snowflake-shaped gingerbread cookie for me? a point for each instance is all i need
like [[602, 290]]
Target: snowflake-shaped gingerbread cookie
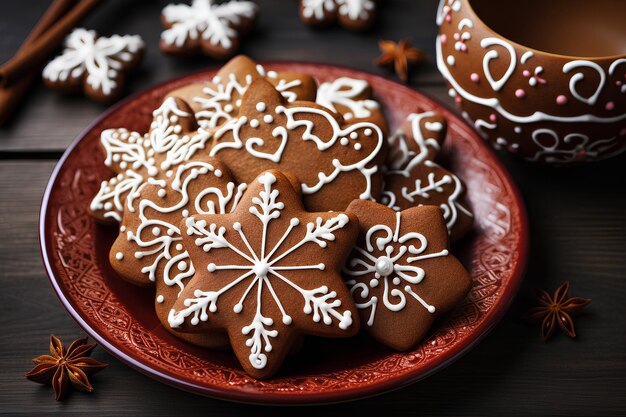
[[218, 101], [401, 273], [95, 65], [355, 15], [413, 178], [149, 251], [173, 138], [206, 26], [335, 161], [352, 98], [266, 273]]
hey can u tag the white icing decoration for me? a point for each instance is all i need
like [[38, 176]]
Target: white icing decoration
[[384, 258], [495, 104], [217, 98], [527, 55], [493, 54], [160, 299], [406, 161], [261, 269], [591, 100], [101, 58], [445, 8], [553, 151], [612, 69], [132, 152], [203, 19], [119, 256], [166, 247], [343, 92], [317, 8], [252, 144], [355, 9]]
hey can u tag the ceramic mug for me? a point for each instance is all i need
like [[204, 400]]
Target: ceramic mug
[[542, 79]]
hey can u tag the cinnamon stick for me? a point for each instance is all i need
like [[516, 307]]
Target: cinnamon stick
[[42, 48]]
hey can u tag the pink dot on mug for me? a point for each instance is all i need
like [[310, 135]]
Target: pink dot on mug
[[561, 100], [519, 93]]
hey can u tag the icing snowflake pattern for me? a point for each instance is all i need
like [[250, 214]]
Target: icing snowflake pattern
[[316, 8], [262, 269], [356, 9], [393, 259], [98, 60], [344, 92], [137, 157], [206, 20]]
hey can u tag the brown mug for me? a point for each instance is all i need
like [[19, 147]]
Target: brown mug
[[545, 80]]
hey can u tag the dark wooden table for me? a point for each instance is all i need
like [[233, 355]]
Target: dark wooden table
[[578, 229]]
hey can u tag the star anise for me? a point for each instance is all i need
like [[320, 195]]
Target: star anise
[[556, 311], [399, 56], [64, 367]]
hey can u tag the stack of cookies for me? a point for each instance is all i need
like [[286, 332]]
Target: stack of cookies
[[263, 207]]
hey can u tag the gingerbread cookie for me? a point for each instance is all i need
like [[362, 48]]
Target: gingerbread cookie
[[207, 27], [95, 65], [148, 250], [401, 273], [357, 15], [335, 161], [218, 101], [414, 179], [174, 138], [352, 98], [267, 273]]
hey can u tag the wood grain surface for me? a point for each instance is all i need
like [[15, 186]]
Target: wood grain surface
[[578, 233]]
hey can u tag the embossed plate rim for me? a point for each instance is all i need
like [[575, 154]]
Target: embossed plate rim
[[491, 318]]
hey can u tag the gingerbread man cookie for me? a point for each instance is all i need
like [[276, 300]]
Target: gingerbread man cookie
[[149, 251], [335, 161], [352, 98], [401, 273], [414, 179], [218, 101], [205, 26], [267, 273], [174, 138], [357, 15], [95, 65]]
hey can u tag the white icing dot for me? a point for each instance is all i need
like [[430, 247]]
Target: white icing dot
[[179, 247], [156, 231], [268, 119], [161, 193], [174, 118], [368, 132], [260, 107], [122, 229], [517, 129], [450, 60], [160, 299], [357, 146], [228, 108], [182, 265], [123, 165], [272, 74], [354, 135], [254, 123], [108, 206], [119, 256], [238, 103], [344, 141], [185, 213]]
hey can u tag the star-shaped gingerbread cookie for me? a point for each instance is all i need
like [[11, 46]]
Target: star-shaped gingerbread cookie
[[218, 101], [335, 160], [149, 251], [267, 273], [401, 273], [173, 138], [413, 178], [352, 98], [96, 65], [206, 26], [357, 15]]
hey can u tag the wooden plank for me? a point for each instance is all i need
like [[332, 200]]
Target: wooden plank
[[578, 234], [48, 121]]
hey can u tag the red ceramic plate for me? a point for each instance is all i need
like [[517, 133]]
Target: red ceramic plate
[[121, 317]]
